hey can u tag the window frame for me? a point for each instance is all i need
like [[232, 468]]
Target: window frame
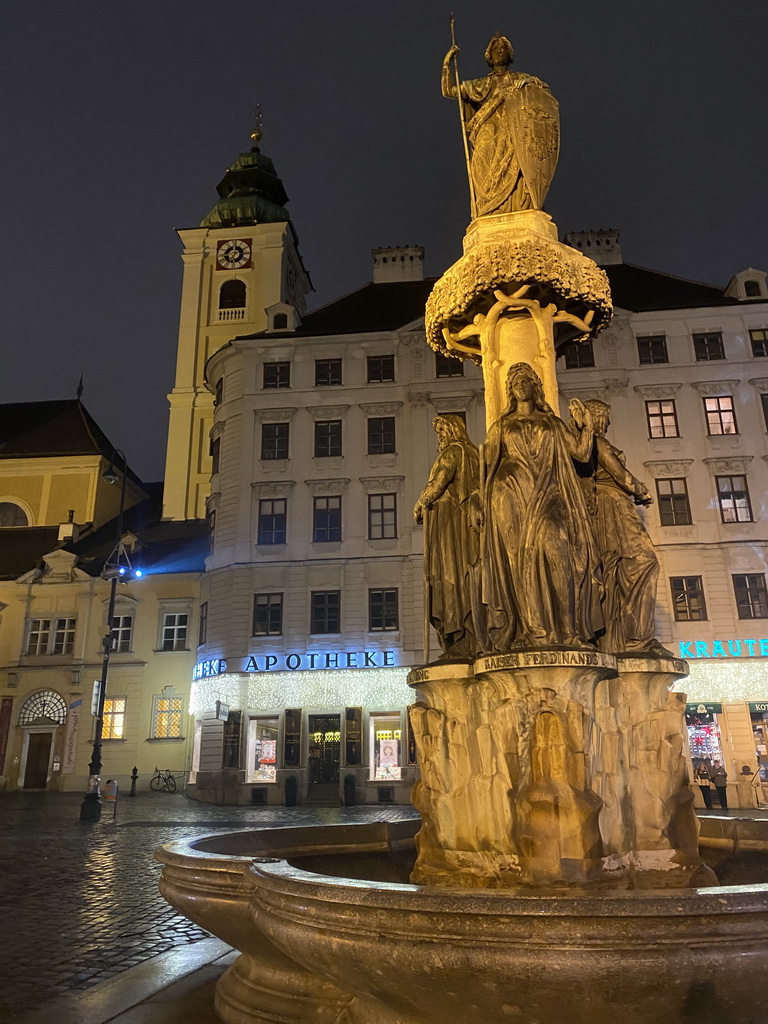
[[110, 715], [662, 418], [166, 715], [332, 370], [655, 345], [326, 519], [274, 531], [275, 442], [686, 610], [177, 637], [382, 360], [389, 617], [269, 605], [280, 369], [378, 438], [382, 514], [762, 342], [714, 416], [572, 356], [735, 494], [321, 605], [121, 635], [333, 443], [702, 343], [673, 505], [454, 367], [747, 597]]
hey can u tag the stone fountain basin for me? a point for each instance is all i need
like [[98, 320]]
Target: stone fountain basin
[[337, 946]]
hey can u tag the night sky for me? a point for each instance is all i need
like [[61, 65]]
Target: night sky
[[119, 118]]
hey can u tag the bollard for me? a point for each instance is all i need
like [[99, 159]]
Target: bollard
[[134, 777], [109, 795]]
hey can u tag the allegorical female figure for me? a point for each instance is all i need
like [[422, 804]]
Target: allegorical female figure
[[540, 564], [451, 543], [630, 565], [507, 120]]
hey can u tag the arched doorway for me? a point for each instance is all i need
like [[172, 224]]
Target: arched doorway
[[40, 716]]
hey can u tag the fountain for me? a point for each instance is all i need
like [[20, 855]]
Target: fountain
[[556, 873]]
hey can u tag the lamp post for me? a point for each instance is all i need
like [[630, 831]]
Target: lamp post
[[90, 809]]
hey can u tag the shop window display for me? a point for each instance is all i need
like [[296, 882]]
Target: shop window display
[[760, 732], [704, 735], [386, 736], [262, 749]]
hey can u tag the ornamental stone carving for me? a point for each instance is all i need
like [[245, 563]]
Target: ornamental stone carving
[[760, 384], [738, 464], [656, 391], [327, 412], [711, 388], [459, 402], [333, 486], [273, 488], [678, 467], [380, 408], [373, 484], [274, 415]]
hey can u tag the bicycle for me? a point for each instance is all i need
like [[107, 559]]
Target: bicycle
[[164, 782]]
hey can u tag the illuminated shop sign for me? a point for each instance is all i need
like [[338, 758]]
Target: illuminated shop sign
[[704, 709], [294, 662], [723, 649]]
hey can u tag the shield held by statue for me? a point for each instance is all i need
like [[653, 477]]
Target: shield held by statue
[[533, 116]]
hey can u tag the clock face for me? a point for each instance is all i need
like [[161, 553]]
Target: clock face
[[234, 254]]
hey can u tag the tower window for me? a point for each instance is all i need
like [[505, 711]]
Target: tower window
[[12, 514], [232, 294]]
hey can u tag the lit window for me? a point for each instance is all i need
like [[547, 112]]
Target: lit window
[[579, 355], [674, 506], [326, 519], [652, 349], [382, 610], [759, 341], [122, 633], [274, 441], [385, 747], [708, 347], [751, 595], [721, 418], [382, 516], [447, 366], [381, 435], [175, 631], [381, 369], [262, 749], [277, 375], [272, 516], [327, 373], [662, 418], [327, 438], [326, 611], [267, 614], [113, 726], [166, 717], [688, 598], [733, 496]]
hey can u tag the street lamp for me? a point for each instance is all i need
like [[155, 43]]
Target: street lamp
[[115, 568]]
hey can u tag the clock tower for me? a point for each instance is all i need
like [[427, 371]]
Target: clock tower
[[242, 260]]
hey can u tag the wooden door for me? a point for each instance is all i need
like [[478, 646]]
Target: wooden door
[[38, 758]]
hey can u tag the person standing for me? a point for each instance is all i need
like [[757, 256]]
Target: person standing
[[704, 782], [720, 779]]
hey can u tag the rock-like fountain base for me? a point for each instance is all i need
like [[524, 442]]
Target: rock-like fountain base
[[324, 938]]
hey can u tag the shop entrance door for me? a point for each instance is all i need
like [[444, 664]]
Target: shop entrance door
[[38, 759], [324, 749]]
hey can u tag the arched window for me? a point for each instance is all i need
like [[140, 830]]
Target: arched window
[[12, 514], [280, 321], [43, 707], [232, 294]]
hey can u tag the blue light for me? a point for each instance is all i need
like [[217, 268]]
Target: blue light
[[121, 570], [138, 573]]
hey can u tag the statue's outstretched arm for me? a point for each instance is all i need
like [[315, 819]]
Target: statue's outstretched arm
[[447, 85], [609, 459], [581, 436]]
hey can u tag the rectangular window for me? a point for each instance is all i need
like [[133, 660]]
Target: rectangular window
[[385, 747], [202, 633], [380, 369], [267, 614], [274, 441], [381, 435], [688, 598], [733, 496], [215, 455], [382, 610], [122, 633], [211, 529], [113, 726], [272, 516], [721, 418], [751, 595], [277, 375], [764, 404], [579, 355], [759, 339], [447, 366], [327, 438], [382, 516], [166, 717], [39, 636], [708, 347], [219, 396], [262, 749], [175, 631], [674, 506], [325, 611], [652, 348], [326, 519], [327, 373], [64, 637], [662, 418]]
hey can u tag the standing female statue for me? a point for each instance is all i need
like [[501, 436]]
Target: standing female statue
[[512, 122], [630, 565], [540, 564]]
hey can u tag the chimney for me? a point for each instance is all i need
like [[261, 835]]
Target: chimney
[[398, 263], [601, 245]]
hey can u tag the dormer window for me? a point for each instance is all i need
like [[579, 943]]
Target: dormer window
[[752, 289], [280, 322]]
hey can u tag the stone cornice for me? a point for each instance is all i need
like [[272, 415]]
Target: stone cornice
[[732, 464], [668, 467], [273, 488], [328, 486], [380, 408], [372, 484], [715, 387], [651, 391], [327, 412], [274, 415]]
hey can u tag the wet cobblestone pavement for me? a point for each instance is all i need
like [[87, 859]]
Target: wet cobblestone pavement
[[79, 902]]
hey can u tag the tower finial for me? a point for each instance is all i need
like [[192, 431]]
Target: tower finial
[[258, 124]]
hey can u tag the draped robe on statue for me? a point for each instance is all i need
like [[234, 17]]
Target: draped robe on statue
[[541, 567]]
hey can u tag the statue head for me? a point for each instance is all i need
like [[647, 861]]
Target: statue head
[[450, 427], [499, 51], [601, 415], [523, 383]]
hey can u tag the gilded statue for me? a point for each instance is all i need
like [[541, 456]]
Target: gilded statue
[[630, 565], [451, 543], [512, 124], [540, 563]]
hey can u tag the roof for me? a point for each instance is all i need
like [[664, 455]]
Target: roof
[[22, 548], [641, 290], [40, 429], [370, 309]]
